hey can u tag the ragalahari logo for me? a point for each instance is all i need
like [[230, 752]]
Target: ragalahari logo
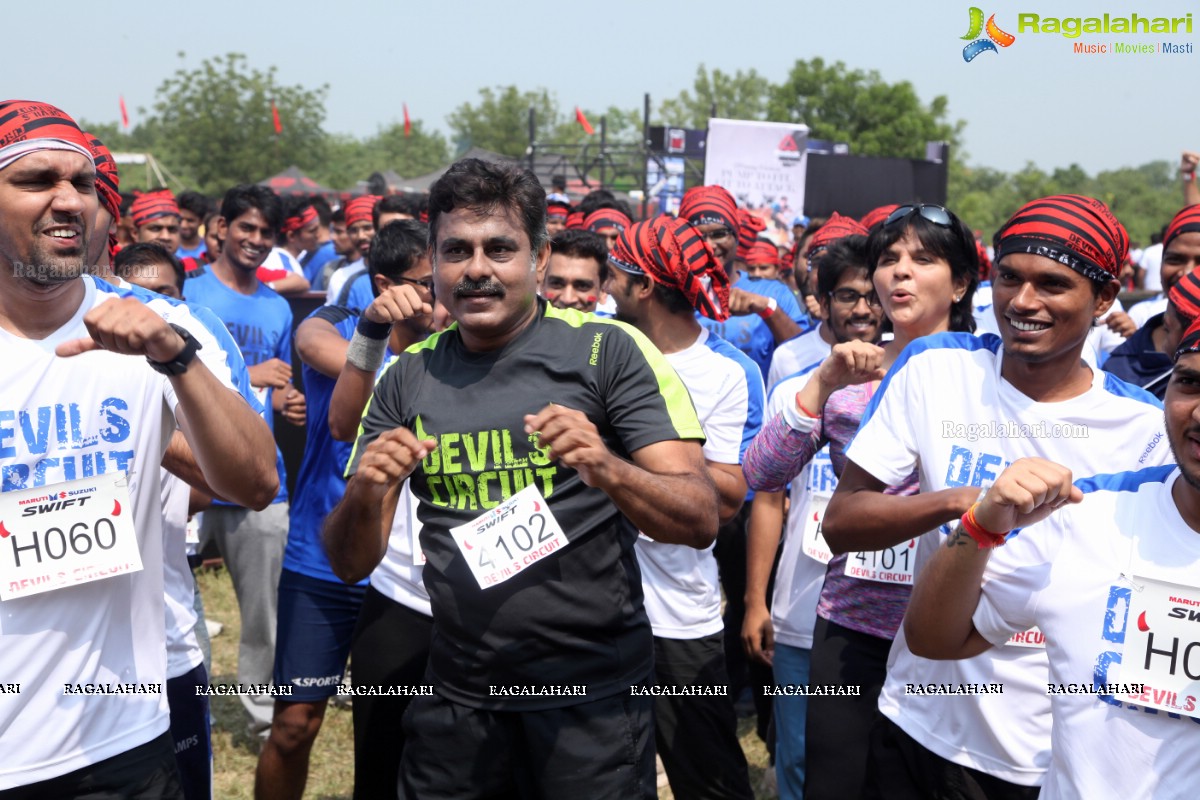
[[995, 36]]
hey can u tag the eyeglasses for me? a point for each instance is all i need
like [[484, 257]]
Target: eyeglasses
[[426, 282], [719, 235], [849, 297], [930, 211]]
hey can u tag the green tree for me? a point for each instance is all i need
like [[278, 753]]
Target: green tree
[[743, 95], [349, 159], [500, 120], [876, 118], [213, 124]]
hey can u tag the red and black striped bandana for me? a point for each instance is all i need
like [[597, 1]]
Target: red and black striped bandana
[[1080, 232], [604, 218], [709, 205], [1185, 296], [575, 221], [672, 252], [763, 252], [108, 182], [1186, 221], [838, 227], [27, 126], [1190, 343], [153, 205], [361, 209], [749, 227]]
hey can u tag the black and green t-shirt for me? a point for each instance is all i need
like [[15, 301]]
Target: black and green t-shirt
[[576, 617]]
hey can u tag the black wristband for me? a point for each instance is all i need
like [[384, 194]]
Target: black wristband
[[373, 330], [179, 364]]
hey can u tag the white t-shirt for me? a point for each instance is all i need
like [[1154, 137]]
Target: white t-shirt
[[183, 648], [680, 583], [1152, 263], [398, 575], [799, 578], [65, 418], [341, 277], [279, 258], [1069, 575], [797, 354], [945, 408]]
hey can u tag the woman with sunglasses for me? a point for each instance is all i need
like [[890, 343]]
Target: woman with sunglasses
[[923, 266]]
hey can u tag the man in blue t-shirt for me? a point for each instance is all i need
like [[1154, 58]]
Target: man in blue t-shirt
[[317, 611], [252, 542]]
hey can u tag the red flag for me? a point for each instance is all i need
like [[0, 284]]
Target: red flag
[[124, 113], [582, 120], [275, 118], [407, 122]]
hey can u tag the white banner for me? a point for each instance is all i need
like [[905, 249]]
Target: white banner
[[762, 164]]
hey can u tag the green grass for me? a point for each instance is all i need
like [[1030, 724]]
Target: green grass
[[331, 771]]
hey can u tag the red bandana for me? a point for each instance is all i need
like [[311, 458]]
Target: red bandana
[[605, 218], [361, 209], [293, 224], [673, 253], [1186, 221], [838, 227], [152, 205], [1071, 229], [877, 215], [709, 205], [749, 227]]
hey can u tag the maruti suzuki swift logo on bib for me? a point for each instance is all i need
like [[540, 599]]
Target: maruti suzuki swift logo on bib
[[995, 36]]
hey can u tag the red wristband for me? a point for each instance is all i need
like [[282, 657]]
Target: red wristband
[[804, 410], [772, 304], [983, 537]]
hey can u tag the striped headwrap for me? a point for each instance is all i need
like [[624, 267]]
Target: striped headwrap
[[749, 227], [152, 205], [877, 215], [838, 227], [1185, 296], [361, 209], [575, 221], [1190, 343], [108, 182], [673, 253], [763, 252], [709, 205], [1071, 229], [27, 126], [1186, 221], [604, 218], [296, 223]]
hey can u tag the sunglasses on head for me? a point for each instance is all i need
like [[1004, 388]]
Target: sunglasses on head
[[934, 213]]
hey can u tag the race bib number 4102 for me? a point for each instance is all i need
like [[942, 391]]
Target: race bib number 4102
[[67, 534], [510, 538]]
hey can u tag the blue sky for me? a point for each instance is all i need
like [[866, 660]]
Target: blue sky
[[1033, 101]]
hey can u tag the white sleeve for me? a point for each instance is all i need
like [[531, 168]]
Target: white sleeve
[[1016, 576], [886, 443], [724, 426]]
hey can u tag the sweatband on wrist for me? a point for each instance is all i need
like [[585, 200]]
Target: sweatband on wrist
[[373, 330], [983, 537], [772, 304], [365, 353]]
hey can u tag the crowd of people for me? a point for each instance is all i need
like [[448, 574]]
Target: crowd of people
[[580, 489]]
